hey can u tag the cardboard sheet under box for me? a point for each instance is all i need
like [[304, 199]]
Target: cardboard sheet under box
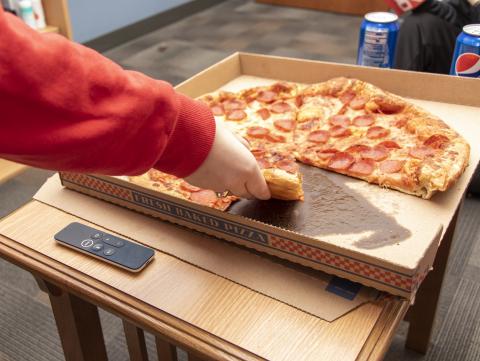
[[325, 296], [346, 227]]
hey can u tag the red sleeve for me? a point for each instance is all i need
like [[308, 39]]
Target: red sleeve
[[66, 107]]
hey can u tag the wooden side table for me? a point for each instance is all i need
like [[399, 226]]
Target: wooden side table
[[211, 317]]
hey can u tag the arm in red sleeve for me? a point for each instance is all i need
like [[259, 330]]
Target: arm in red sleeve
[[65, 107]]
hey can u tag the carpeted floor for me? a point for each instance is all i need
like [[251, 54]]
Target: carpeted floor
[[174, 53]]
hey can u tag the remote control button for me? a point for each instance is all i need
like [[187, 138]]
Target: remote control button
[[96, 236], [86, 243], [115, 242], [97, 247], [108, 251]]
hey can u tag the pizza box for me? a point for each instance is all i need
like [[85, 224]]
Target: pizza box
[[345, 227]]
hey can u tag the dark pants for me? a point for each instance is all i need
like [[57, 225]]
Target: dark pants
[[425, 43]]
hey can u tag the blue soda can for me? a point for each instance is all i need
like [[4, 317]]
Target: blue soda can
[[466, 58], [378, 39]]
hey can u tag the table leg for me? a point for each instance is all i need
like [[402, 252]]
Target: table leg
[[422, 314], [78, 325], [193, 357], [165, 350], [137, 349]]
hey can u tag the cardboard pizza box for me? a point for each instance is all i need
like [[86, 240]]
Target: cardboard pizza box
[[345, 227]]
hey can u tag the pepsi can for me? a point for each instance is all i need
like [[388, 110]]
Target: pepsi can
[[466, 58], [378, 39]]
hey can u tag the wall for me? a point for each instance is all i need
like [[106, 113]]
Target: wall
[[93, 18]]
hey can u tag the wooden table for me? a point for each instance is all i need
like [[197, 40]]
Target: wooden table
[[209, 316], [9, 170]]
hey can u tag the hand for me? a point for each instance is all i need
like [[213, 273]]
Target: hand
[[230, 166]]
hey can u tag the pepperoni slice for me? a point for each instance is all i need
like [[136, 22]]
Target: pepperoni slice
[[266, 96], [358, 102], [277, 157], [347, 97], [400, 121], [287, 165], [338, 131], [217, 110], [276, 138], [362, 167], [299, 100], [326, 154], [281, 88], [391, 166], [188, 187], [306, 125], [390, 144], [378, 153], [234, 104], [377, 132], [341, 161], [364, 120], [258, 152], [436, 141], [319, 136], [357, 148], [257, 132], [264, 113], [205, 197], [280, 107], [236, 115], [388, 105], [263, 163], [340, 119], [286, 125], [421, 152]]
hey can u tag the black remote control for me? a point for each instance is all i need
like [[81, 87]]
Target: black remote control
[[107, 247]]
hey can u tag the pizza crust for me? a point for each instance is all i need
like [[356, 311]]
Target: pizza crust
[[284, 185]]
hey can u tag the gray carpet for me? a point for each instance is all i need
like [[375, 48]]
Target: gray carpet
[[174, 53]]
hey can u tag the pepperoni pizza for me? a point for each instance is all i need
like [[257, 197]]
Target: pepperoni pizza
[[347, 126]]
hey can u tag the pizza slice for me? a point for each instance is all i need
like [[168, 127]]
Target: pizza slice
[[281, 173], [367, 133], [177, 187]]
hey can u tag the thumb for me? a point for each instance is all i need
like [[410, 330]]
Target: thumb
[[257, 186]]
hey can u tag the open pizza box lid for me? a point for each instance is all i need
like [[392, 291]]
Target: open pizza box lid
[[346, 227]]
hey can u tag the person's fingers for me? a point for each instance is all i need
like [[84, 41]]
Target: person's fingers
[[257, 186], [241, 191]]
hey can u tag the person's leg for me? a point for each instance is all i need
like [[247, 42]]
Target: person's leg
[[425, 43]]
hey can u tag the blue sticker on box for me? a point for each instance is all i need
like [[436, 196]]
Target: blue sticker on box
[[343, 287]]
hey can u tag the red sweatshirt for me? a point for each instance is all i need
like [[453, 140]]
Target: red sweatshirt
[[66, 107]]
